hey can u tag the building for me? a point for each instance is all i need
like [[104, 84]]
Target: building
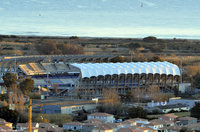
[[179, 100], [128, 129], [105, 117], [39, 127], [186, 121], [155, 125], [166, 123], [75, 126], [108, 127], [24, 126], [125, 76], [5, 129], [173, 107], [169, 117], [91, 78], [67, 109], [193, 127], [5, 123]]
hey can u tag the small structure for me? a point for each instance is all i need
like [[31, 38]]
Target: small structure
[[105, 117]]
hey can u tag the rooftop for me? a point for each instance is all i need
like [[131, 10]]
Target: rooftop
[[100, 114], [187, 118]]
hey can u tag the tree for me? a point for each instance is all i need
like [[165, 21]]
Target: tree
[[9, 115], [137, 112], [197, 80], [133, 46], [47, 48], [55, 87], [195, 111], [117, 59], [9, 79], [27, 85], [138, 94], [155, 93], [111, 94], [70, 49], [150, 39]]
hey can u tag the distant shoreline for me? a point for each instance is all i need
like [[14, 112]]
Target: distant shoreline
[[92, 37]]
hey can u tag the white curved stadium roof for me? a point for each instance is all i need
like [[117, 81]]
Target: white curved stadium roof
[[96, 69]]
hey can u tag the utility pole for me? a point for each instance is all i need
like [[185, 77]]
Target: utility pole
[[30, 116]]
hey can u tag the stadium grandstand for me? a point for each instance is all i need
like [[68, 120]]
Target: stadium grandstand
[[92, 78], [9, 63]]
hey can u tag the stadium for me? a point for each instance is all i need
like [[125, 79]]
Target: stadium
[[86, 78]]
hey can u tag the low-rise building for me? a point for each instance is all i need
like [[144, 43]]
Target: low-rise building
[[73, 126], [155, 125], [39, 127], [166, 123], [108, 127], [5, 129], [128, 129], [193, 127], [128, 123], [174, 128], [169, 117], [105, 117], [67, 109], [186, 121], [173, 107], [5, 123], [24, 126], [146, 129], [188, 102]]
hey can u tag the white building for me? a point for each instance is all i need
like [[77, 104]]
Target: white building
[[105, 117], [73, 126], [189, 102]]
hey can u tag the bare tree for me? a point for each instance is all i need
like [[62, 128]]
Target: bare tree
[[21, 103], [55, 86], [138, 93], [155, 93], [111, 94]]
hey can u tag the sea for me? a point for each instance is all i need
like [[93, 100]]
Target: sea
[[101, 18]]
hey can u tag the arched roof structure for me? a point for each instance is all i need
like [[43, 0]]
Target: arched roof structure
[[101, 69]]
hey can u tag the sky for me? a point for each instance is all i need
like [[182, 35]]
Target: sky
[[101, 18]]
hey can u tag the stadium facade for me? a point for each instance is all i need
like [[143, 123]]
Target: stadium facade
[[92, 78], [126, 76]]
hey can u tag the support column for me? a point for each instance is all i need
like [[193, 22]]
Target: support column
[[172, 82], [131, 81], [139, 80], [165, 82], [124, 83], [152, 79], [159, 80]]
